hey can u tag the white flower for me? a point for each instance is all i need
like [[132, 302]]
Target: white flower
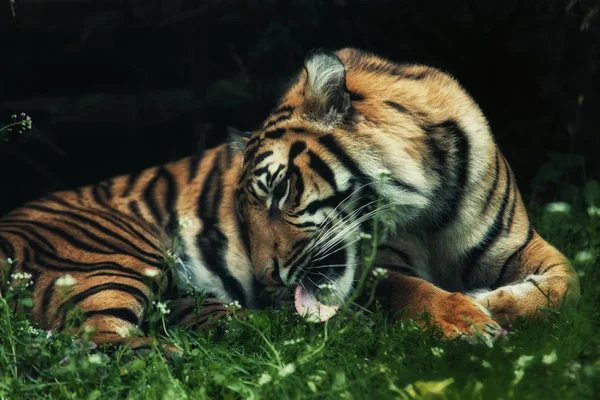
[[326, 286], [95, 359], [366, 236], [151, 272], [66, 280], [48, 334], [384, 173], [10, 261], [171, 257], [524, 361], [518, 376], [380, 272], [288, 369], [549, 358], [437, 351], [572, 368], [559, 207], [21, 276], [162, 307], [235, 304], [293, 341], [185, 222], [26, 121], [584, 256], [264, 379], [593, 211]]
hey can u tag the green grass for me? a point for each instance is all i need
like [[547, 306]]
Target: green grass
[[275, 355]]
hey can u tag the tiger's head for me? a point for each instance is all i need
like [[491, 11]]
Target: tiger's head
[[306, 186]]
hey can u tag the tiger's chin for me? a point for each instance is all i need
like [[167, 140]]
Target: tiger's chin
[[318, 297]]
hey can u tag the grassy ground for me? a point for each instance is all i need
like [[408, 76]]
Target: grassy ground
[[275, 355]]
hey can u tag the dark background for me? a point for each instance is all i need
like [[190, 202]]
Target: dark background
[[114, 85]]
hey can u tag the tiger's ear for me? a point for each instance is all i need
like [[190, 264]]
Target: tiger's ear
[[238, 139], [327, 97]]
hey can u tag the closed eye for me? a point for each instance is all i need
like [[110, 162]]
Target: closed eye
[[280, 190]]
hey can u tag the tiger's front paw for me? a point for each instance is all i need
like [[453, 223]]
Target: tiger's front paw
[[459, 315]]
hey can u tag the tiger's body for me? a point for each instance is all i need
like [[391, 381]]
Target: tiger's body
[[290, 210], [457, 221], [113, 238]]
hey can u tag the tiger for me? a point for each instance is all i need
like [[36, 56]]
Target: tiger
[[105, 249], [458, 248]]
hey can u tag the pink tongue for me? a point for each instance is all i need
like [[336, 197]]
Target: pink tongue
[[310, 308]]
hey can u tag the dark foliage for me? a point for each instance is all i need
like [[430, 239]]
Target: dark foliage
[[112, 86]]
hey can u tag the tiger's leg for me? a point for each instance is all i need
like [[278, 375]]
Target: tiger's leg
[[113, 306], [535, 276], [456, 314]]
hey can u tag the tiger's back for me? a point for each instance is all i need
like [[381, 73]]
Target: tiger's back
[[116, 239]]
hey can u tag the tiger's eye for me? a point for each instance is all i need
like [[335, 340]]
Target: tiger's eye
[[280, 190]]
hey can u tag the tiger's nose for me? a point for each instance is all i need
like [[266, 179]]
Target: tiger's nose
[[271, 278]]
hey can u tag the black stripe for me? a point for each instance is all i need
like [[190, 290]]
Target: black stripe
[[19, 225], [121, 313], [260, 158], [355, 96], [68, 237], [120, 220], [135, 209], [511, 213], [294, 265], [119, 248], [97, 195], [84, 220], [47, 296], [115, 274], [6, 247], [317, 164], [252, 141], [298, 130], [403, 255], [170, 198], [261, 171], [452, 190], [283, 109], [119, 287], [510, 259], [149, 199], [68, 265], [331, 144], [79, 297], [213, 245], [131, 182], [472, 256], [390, 69], [548, 268], [207, 204], [396, 106], [276, 121], [277, 171], [194, 165], [488, 199], [275, 134], [301, 225], [294, 171], [262, 186], [211, 241], [331, 201]]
